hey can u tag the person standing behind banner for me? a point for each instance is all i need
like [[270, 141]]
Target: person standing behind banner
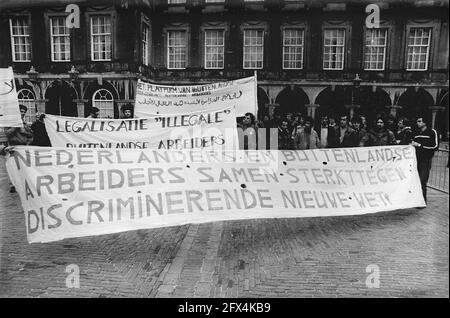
[[307, 137], [426, 142], [93, 112], [379, 135], [19, 136], [40, 136], [359, 130], [247, 132], [284, 136], [327, 135], [404, 132], [347, 135], [127, 111]]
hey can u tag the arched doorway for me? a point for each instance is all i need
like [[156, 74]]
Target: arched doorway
[[373, 102], [292, 100], [61, 99], [26, 97], [332, 101], [103, 97], [414, 102]]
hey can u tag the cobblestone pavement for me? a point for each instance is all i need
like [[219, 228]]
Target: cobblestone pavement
[[304, 257]]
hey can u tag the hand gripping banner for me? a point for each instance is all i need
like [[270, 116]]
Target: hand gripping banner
[[72, 192]]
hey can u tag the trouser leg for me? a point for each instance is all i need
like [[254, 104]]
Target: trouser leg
[[424, 168]]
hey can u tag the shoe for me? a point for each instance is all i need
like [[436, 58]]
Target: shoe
[[12, 189]]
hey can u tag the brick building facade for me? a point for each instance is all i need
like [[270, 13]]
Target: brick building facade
[[310, 56]]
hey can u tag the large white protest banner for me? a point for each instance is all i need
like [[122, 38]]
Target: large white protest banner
[[9, 104], [153, 99], [205, 129], [73, 192]]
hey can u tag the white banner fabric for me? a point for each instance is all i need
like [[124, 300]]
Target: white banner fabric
[[73, 192], [211, 129], [9, 104], [152, 99]]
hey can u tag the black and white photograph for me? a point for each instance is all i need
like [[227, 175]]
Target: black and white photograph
[[224, 155]]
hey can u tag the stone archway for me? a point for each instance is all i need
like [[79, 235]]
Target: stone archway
[[293, 100], [373, 102], [415, 101], [332, 101], [61, 98], [95, 86]]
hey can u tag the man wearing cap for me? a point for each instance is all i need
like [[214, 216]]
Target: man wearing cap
[[127, 111]]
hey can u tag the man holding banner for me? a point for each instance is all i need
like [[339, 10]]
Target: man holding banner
[[19, 136]]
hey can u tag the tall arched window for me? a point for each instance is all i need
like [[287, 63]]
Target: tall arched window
[[26, 98], [104, 101]]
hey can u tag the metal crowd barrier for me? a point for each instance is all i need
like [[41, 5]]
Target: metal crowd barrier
[[439, 171]]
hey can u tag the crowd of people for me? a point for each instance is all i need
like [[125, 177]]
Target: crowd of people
[[297, 132], [293, 132]]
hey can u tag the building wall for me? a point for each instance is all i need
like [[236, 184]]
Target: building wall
[[119, 74]]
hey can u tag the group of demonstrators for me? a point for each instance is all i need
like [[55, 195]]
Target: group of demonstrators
[[297, 132], [293, 132], [173, 155]]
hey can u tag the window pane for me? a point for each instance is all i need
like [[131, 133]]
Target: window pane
[[333, 51], [60, 38], [293, 48], [253, 53], [101, 38], [20, 39], [418, 49], [177, 49], [375, 49], [214, 49]]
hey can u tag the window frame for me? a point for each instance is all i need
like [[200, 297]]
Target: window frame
[[29, 36], [205, 47], [186, 32], [50, 18], [385, 52], [145, 60], [90, 17], [430, 39], [100, 100], [31, 113], [264, 31], [303, 30], [176, 2], [344, 53]]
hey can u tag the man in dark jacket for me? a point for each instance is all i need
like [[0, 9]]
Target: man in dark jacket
[[347, 135], [426, 142], [379, 135], [359, 130], [404, 132], [327, 135], [40, 136], [284, 136]]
